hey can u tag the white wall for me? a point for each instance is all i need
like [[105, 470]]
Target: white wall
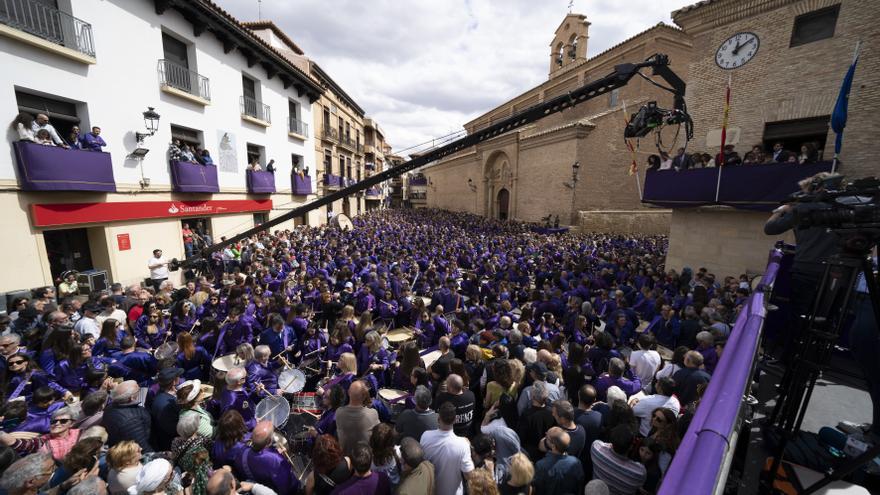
[[116, 90]]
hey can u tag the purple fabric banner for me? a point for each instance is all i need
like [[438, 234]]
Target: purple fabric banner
[[332, 180], [549, 230], [748, 187], [698, 460], [301, 184], [260, 181], [373, 191], [194, 177], [50, 168], [418, 181]]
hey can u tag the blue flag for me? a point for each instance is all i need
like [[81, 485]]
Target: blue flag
[[838, 116]]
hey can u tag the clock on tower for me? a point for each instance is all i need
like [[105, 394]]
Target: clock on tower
[[737, 50]]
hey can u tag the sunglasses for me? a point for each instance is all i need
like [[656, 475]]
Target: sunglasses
[[60, 421], [16, 362]]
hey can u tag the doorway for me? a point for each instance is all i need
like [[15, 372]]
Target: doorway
[[199, 232], [67, 249], [503, 203]]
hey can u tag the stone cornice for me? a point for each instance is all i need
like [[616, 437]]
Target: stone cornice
[[703, 16]]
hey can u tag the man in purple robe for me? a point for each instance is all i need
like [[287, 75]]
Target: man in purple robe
[[261, 462], [236, 397]]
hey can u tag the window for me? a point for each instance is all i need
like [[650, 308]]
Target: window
[[348, 131], [63, 114], [795, 133], [296, 162], [256, 154], [249, 87], [292, 109], [814, 26], [192, 137], [613, 97], [174, 50], [341, 125], [328, 161], [348, 167], [260, 218], [326, 118]]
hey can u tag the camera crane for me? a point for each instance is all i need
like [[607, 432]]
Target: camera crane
[[649, 118]]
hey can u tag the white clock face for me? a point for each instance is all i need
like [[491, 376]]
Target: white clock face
[[737, 50]]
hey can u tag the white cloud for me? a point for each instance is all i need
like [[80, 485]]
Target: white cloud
[[422, 68]]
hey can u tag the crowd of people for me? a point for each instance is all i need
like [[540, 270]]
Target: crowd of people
[[810, 152], [518, 363], [182, 152], [39, 130]]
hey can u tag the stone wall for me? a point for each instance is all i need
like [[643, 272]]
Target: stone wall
[[724, 240], [650, 222]]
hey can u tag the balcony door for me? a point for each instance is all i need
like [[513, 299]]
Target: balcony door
[[249, 90], [176, 63]]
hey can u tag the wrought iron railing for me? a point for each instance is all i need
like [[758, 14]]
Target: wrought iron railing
[[179, 77], [298, 127], [330, 133], [41, 20], [255, 108]]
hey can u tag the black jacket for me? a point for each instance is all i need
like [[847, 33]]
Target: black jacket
[[128, 422]]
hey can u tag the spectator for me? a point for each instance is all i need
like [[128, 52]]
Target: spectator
[[206, 158], [706, 347], [124, 460], [558, 472], [186, 153], [697, 160], [709, 161], [354, 422], [618, 375], [44, 137], [73, 138], [27, 475], [125, 419], [665, 161], [331, 467], [481, 482], [519, 479], [175, 154], [449, 453], [653, 162], [644, 407], [809, 154], [384, 458], [563, 413], [92, 141], [41, 123], [688, 379], [535, 420], [417, 474], [682, 160], [413, 422], [611, 463], [464, 402], [24, 127], [153, 478], [645, 360]]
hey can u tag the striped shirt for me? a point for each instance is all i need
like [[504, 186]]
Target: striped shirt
[[622, 475]]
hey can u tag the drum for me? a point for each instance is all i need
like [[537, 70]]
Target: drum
[[297, 432], [643, 326], [342, 222], [602, 325], [664, 352], [305, 401], [394, 400], [274, 409], [291, 381], [225, 363], [310, 367], [398, 336], [517, 313], [167, 350], [430, 357]]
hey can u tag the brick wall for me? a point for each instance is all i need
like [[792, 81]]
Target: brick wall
[[651, 222]]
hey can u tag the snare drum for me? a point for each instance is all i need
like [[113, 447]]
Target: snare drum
[[431, 357], [274, 409], [394, 400], [305, 401], [165, 351], [225, 363], [398, 336], [291, 381], [297, 432]]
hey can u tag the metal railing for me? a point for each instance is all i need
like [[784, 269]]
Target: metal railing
[[179, 77], [50, 24], [297, 126], [330, 133], [255, 108], [359, 148], [347, 141]]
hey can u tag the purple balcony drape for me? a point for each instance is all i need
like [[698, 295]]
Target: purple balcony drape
[[301, 184], [747, 187], [260, 181], [50, 168], [332, 180], [193, 177]]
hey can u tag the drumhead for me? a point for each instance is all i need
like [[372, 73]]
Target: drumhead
[[399, 335], [274, 409], [643, 326], [343, 222], [431, 357], [291, 381], [390, 393], [166, 351], [226, 363]]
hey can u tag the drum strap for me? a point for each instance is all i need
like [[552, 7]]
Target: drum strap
[[219, 341], [20, 387], [246, 464], [327, 480]]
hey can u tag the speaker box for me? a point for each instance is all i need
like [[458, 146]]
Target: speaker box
[[92, 280]]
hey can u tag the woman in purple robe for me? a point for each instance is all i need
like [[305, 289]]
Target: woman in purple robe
[[373, 359], [150, 329], [194, 360], [183, 317], [110, 340], [232, 437], [23, 377]]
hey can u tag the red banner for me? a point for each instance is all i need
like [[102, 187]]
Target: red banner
[[124, 241], [52, 215]]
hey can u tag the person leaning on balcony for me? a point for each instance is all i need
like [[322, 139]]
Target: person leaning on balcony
[[23, 124], [206, 158], [92, 141], [44, 138], [255, 165], [74, 137], [42, 123], [174, 153]]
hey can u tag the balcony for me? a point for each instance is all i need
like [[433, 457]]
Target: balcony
[[301, 185], [359, 148], [330, 134], [297, 129], [347, 142], [38, 24], [418, 181], [370, 166], [260, 181], [50, 168], [255, 112], [194, 177], [177, 80], [745, 187], [369, 148], [374, 193], [331, 180]]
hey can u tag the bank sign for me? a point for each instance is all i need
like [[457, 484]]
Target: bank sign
[[62, 214]]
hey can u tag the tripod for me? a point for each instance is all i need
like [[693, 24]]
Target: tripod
[[820, 331]]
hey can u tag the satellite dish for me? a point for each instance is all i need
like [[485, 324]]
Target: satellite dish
[[342, 222]]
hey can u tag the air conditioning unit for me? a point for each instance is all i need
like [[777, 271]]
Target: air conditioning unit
[[92, 280]]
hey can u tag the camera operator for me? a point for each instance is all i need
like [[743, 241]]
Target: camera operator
[[814, 245], [865, 345]]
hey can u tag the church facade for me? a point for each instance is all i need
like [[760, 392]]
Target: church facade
[[572, 165]]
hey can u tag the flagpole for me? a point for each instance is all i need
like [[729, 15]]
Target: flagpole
[[720, 165], [855, 58]]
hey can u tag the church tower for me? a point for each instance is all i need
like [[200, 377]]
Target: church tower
[[569, 45]]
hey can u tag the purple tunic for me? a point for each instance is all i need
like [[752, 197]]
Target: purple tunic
[[269, 468]]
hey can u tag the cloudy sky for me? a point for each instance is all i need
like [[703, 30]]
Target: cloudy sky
[[422, 68]]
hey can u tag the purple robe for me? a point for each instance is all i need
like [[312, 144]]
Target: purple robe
[[240, 400], [269, 468]]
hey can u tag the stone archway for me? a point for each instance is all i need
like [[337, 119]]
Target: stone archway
[[497, 176], [503, 206]]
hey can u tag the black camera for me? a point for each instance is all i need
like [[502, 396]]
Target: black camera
[[651, 117], [847, 205]]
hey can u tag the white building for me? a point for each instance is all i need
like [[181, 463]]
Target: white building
[[103, 63]]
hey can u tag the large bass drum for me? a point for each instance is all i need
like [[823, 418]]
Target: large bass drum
[[342, 222]]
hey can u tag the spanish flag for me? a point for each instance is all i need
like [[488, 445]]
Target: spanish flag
[[633, 167], [724, 121]]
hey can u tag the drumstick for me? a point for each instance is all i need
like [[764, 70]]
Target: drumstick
[[276, 406], [306, 411], [314, 352]]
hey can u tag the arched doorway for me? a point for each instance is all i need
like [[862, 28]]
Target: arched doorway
[[503, 203]]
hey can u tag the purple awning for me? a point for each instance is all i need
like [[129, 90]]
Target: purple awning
[[50, 168], [301, 184], [748, 187], [260, 181], [698, 460], [332, 180], [194, 177]]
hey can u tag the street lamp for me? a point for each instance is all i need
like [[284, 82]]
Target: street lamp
[[151, 123], [575, 168]]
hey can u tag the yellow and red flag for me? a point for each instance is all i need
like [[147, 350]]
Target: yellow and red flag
[[724, 121]]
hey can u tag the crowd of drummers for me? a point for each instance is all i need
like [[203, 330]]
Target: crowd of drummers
[[420, 352]]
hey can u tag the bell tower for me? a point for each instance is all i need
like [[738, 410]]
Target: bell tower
[[570, 42]]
